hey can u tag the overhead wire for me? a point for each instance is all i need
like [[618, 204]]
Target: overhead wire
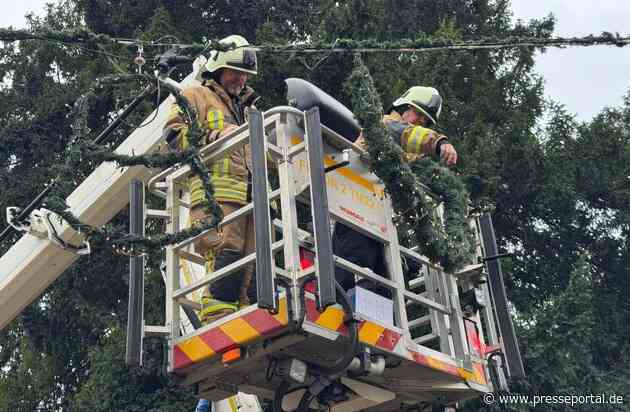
[[423, 43]]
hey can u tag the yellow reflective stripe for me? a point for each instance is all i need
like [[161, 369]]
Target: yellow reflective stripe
[[232, 197], [182, 138], [227, 188], [195, 182], [226, 166], [175, 111], [228, 181], [233, 406], [221, 167], [415, 140], [196, 189], [414, 144], [211, 119], [218, 307], [216, 169], [231, 191], [215, 120], [406, 139], [220, 121]]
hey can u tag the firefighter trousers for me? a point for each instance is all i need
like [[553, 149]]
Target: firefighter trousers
[[224, 246]]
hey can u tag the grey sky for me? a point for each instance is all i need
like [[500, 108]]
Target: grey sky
[[584, 79], [13, 14]]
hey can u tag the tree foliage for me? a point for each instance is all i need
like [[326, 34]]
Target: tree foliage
[[559, 191]]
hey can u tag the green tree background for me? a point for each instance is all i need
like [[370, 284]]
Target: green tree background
[[559, 190]]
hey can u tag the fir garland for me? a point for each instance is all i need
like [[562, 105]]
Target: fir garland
[[450, 245], [455, 244], [420, 43], [432, 43]]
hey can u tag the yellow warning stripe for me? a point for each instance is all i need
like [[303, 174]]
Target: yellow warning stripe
[[242, 330], [283, 313], [344, 171], [196, 349], [239, 331], [370, 332], [331, 318]]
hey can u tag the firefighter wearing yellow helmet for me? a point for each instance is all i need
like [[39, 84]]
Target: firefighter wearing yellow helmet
[[408, 121], [221, 102]]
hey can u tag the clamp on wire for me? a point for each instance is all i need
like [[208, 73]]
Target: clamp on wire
[[53, 236], [140, 60], [12, 213]]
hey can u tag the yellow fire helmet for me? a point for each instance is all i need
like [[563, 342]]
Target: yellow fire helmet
[[241, 58], [426, 99]]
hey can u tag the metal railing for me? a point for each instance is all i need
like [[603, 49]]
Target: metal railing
[[299, 147]]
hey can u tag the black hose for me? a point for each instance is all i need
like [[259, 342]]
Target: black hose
[[279, 396], [306, 400], [302, 314], [342, 364]]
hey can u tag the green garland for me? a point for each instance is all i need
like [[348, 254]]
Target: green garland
[[85, 36], [455, 244], [450, 245], [117, 237], [420, 43], [431, 43]]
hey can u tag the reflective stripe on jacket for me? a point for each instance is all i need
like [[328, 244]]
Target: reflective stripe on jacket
[[415, 141], [215, 110]]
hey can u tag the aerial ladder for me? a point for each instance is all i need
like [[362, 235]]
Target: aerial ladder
[[440, 339]]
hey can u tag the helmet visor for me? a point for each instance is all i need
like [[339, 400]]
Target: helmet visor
[[432, 108], [247, 63]]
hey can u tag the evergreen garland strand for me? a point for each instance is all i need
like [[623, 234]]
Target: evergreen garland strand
[[451, 244], [455, 244], [420, 43], [432, 43]]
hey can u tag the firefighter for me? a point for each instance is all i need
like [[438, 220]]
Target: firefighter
[[409, 122], [221, 102]]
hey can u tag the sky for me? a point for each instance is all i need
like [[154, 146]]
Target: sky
[[585, 80]]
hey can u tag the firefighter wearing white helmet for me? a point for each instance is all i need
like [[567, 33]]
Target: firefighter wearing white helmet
[[240, 58], [221, 103]]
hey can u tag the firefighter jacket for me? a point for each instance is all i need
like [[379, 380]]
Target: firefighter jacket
[[216, 109], [416, 141]]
